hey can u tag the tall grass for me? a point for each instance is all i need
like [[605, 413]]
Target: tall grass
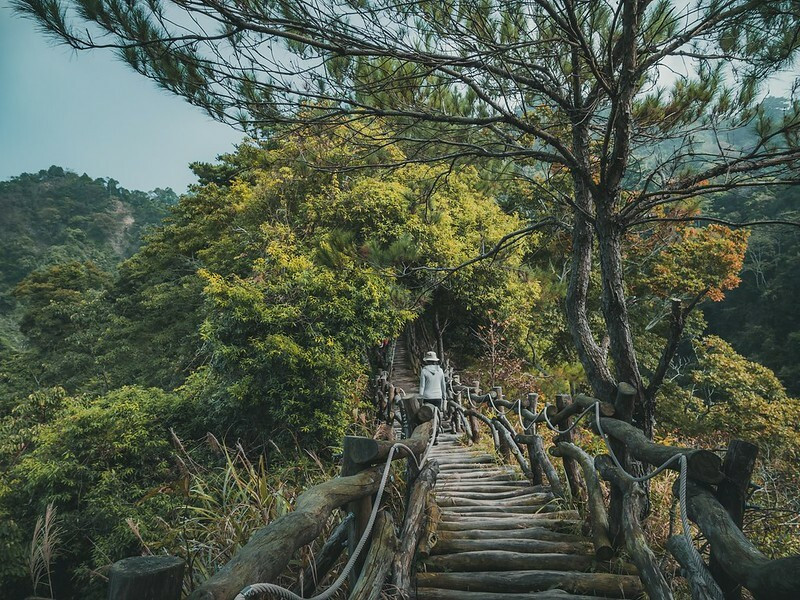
[[44, 549], [225, 503]]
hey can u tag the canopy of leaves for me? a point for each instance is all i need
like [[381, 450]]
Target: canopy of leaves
[[55, 216], [249, 313], [760, 317]]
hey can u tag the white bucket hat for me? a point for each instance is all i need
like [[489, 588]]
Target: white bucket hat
[[431, 357]]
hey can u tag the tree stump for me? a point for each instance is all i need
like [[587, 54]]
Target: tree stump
[[146, 578]]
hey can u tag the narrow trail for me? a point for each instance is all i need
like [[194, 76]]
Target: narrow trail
[[499, 538], [403, 375]]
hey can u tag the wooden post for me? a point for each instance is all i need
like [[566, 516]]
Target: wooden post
[[537, 476], [623, 405], [410, 406], [505, 432], [549, 470], [360, 508], [379, 560], [146, 578], [390, 403], [324, 560], [776, 579], [701, 584], [572, 470], [505, 449], [635, 541], [732, 493], [596, 508], [473, 422], [458, 417], [412, 529]]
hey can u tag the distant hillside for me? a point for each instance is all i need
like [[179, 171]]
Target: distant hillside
[[55, 216]]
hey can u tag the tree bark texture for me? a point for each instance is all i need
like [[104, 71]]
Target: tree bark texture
[[378, 560], [412, 529], [146, 578], [740, 460], [603, 549], [701, 583], [324, 560], [777, 579], [635, 541]]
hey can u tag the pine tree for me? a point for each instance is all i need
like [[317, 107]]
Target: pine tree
[[572, 95]]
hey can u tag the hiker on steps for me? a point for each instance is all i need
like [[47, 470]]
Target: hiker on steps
[[432, 387]]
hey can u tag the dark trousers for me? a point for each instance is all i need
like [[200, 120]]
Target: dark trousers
[[437, 402]]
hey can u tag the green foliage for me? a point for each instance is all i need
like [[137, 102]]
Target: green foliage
[[249, 313], [55, 216], [760, 317], [226, 497], [724, 396], [727, 396], [100, 461]]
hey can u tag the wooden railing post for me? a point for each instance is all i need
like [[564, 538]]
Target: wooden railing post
[[505, 449], [571, 469], [391, 393], [473, 422], [623, 405], [537, 476], [146, 578], [360, 508], [738, 465]]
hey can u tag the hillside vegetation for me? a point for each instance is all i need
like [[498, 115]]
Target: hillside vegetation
[[55, 216], [242, 330]]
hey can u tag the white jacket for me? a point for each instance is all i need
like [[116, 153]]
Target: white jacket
[[431, 383]]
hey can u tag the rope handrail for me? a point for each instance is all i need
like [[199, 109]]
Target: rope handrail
[[680, 458], [277, 591], [683, 477]]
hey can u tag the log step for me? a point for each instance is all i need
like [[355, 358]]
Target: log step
[[557, 524], [502, 560], [602, 584], [538, 500], [529, 546], [424, 593], [529, 533], [500, 538], [500, 511], [482, 495]]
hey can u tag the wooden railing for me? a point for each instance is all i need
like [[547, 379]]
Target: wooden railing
[[714, 494], [266, 555], [713, 497]]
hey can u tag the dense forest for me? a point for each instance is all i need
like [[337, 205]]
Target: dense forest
[[560, 196], [56, 217], [244, 328], [255, 304]]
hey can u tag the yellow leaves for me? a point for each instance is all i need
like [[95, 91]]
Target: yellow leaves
[[706, 260]]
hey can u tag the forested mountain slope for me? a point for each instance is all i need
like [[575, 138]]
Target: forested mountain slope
[[760, 318], [55, 216]]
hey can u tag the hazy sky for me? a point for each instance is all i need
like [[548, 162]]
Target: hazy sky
[[89, 112]]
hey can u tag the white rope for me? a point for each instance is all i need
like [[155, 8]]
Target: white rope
[[276, 591]]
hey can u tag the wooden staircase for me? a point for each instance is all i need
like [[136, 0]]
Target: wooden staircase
[[501, 538]]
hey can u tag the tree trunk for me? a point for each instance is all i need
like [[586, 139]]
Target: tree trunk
[[615, 313], [732, 493]]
